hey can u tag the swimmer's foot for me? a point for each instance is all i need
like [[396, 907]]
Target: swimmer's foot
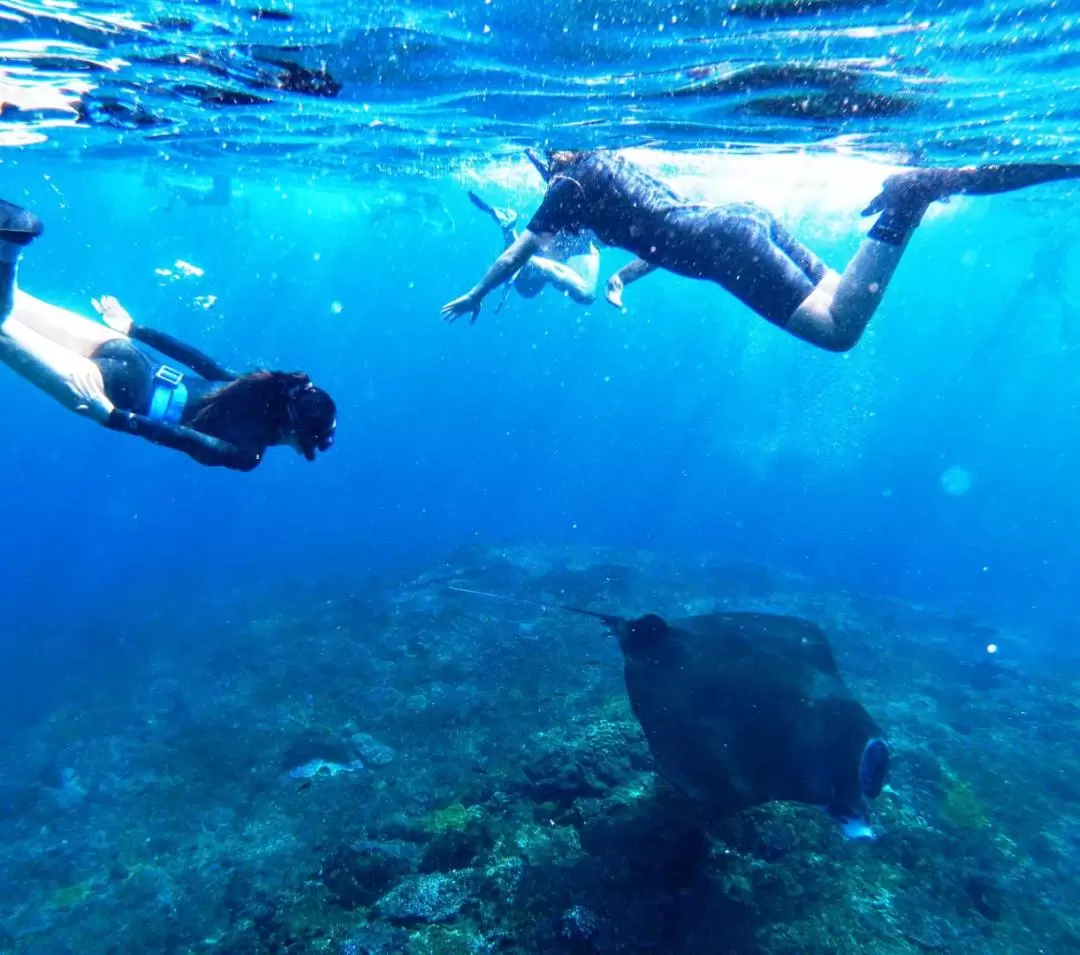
[[481, 204], [905, 197], [914, 190], [505, 218], [17, 225]]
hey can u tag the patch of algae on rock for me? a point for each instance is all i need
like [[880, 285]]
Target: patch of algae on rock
[[960, 806], [454, 818], [72, 896]]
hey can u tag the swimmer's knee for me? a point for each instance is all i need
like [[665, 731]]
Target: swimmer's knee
[[839, 342], [814, 310], [833, 336], [829, 283], [815, 321]]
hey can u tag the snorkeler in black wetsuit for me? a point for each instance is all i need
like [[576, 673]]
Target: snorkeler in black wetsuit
[[570, 263], [214, 416], [741, 246]]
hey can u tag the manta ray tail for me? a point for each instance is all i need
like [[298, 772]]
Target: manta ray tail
[[609, 620]]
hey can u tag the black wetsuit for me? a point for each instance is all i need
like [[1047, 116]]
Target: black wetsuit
[[131, 378], [740, 246]]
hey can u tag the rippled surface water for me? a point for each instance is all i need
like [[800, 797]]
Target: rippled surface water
[[351, 86]]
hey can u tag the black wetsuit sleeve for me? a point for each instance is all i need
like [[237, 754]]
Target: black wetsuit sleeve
[[561, 210], [205, 449], [173, 348]]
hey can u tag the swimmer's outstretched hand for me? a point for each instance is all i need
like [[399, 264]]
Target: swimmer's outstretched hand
[[113, 314], [468, 303], [613, 291]]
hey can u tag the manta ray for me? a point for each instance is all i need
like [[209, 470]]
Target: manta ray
[[741, 709]]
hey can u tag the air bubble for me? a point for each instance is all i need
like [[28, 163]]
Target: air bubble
[[956, 481]]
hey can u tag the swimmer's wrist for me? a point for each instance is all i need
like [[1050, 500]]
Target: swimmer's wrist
[[122, 421]]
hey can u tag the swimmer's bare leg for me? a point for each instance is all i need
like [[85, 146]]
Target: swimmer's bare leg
[[65, 329], [835, 315], [565, 279], [587, 266], [61, 372]]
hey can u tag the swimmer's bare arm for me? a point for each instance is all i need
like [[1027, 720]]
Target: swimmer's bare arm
[[627, 275], [501, 269]]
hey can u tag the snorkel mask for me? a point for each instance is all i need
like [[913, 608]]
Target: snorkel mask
[[312, 418]]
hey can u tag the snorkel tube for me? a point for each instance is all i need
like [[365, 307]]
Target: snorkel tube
[[541, 166]]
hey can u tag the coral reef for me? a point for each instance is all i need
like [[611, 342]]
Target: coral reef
[[499, 795]]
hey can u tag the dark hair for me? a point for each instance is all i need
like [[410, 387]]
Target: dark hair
[[284, 401], [559, 159]]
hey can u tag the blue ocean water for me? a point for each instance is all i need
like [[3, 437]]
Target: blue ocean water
[[683, 424], [935, 463], [696, 430]]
